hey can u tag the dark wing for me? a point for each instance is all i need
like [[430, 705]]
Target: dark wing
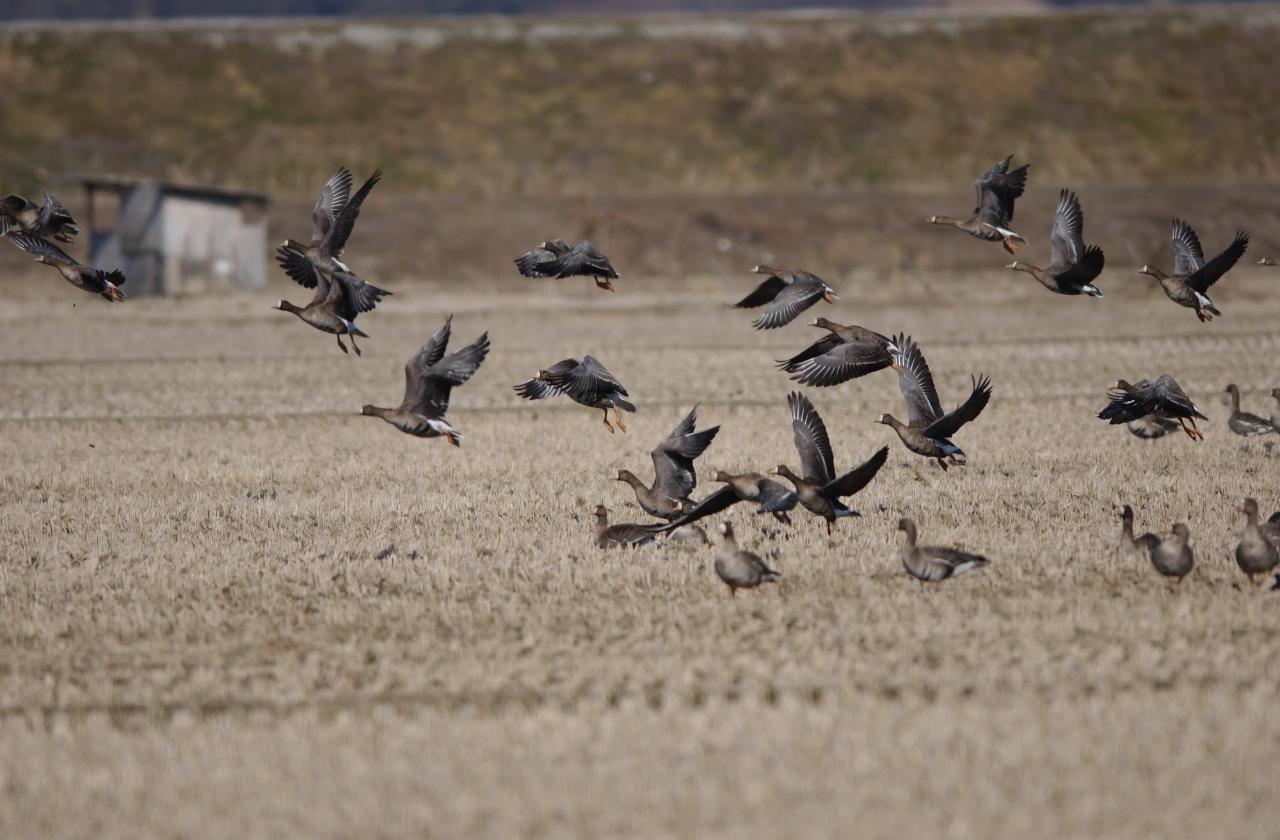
[[817, 463], [845, 361], [790, 302], [330, 203], [558, 376], [997, 188], [1088, 269], [1221, 264], [346, 218], [299, 267], [534, 263], [582, 259], [854, 480], [1188, 257], [440, 379], [945, 427], [953, 558], [41, 248], [1066, 239], [430, 353], [764, 293], [820, 347], [594, 262], [916, 383], [55, 219], [722, 499], [588, 382], [1127, 403], [358, 295], [774, 498], [674, 475], [1166, 393]]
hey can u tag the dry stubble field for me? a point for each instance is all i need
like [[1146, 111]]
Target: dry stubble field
[[231, 607]]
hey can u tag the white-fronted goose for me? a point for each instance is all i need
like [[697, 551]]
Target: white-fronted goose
[[674, 475], [992, 218], [1150, 427], [95, 280], [1172, 556], [49, 218], [429, 378], [1163, 399], [1128, 543], [847, 353], [623, 534], [1192, 276], [339, 297], [753, 487], [332, 220], [928, 431], [1256, 555], [737, 568], [932, 563], [1073, 266], [788, 293], [819, 490], [556, 258], [1242, 422], [586, 383]]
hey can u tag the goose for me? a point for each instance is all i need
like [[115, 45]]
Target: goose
[[1073, 266], [819, 490], [1192, 276], [557, 258], [1256, 554], [1275, 412], [339, 298], [96, 280], [586, 382], [47, 219], [1271, 529], [997, 189], [931, 563], [788, 293], [623, 534], [737, 568], [928, 431], [1242, 422], [1129, 544], [674, 475], [1172, 556], [332, 220], [429, 378], [847, 352], [752, 487], [1163, 399], [1150, 427], [1272, 261], [686, 536]]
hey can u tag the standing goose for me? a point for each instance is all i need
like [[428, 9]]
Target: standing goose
[[556, 258], [846, 353], [1130, 545], [740, 569], [429, 378], [18, 215], [788, 293], [623, 534], [931, 563], [1150, 427], [586, 382], [1256, 555], [819, 490], [94, 280], [332, 220], [1242, 422], [673, 474], [997, 189], [1172, 556], [339, 297], [1192, 276], [1073, 266], [1163, 399], [928, 431]]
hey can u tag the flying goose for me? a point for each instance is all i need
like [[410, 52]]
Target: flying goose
[[674, 475], [586, 382], [1163, 399], [339, 298], [623, 534], [928, 431], [1242, 422], [332, 220], [737, 568], [1129, 544], [557, 258], [997, 188], [1150, 427], [1256, 554], [49, 218], [94, 280], [819, 490], [788, 293], [1172, 556], [1073, 266], [429, 378], [931, 563], [1192, 276], [846, 353], [752, 487]]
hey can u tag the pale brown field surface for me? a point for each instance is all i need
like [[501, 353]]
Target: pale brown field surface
[[231, 607]]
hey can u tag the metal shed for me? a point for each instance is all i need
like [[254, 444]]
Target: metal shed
[[177, 239]]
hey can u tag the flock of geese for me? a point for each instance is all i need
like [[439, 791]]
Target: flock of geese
[[1150, 409]]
